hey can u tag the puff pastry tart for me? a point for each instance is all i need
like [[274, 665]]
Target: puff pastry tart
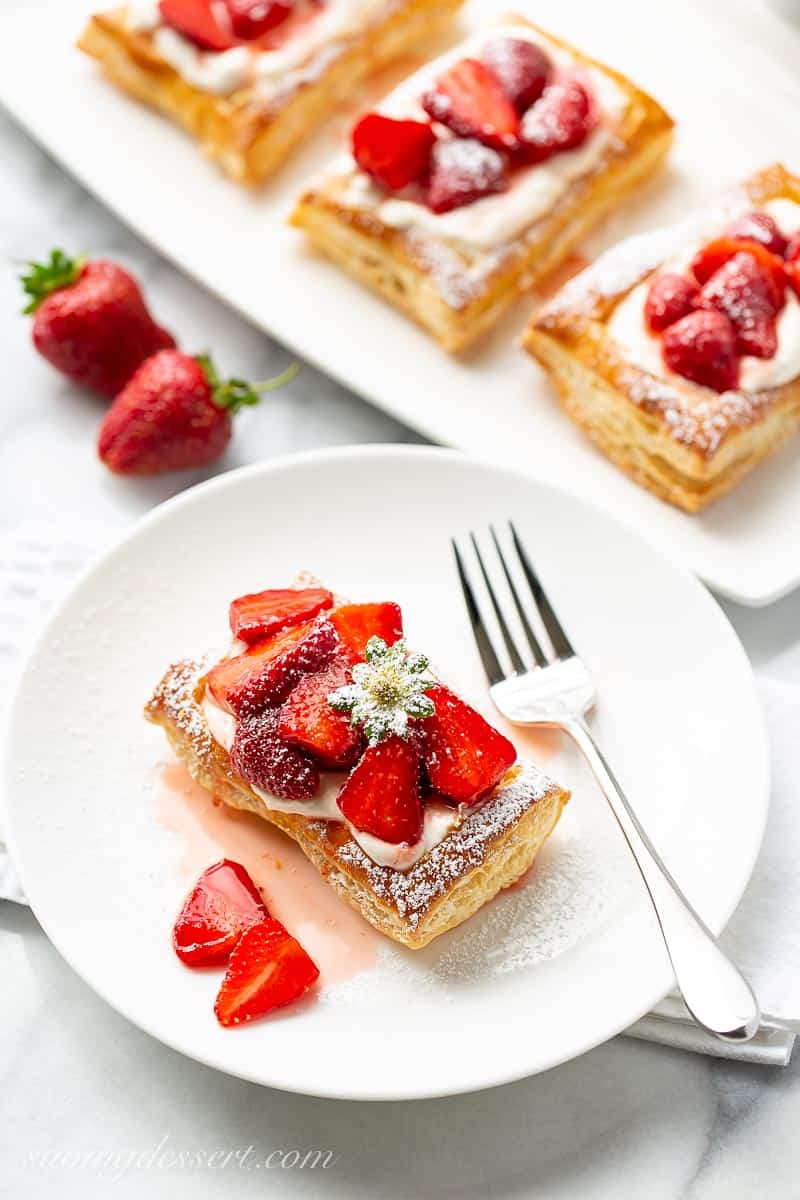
[[678, 352], [477, 175], [250, 79], [412, 806]]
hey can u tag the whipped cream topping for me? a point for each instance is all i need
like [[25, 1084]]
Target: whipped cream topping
[[643, 349], [439, 818], [270, 71], [220, 73], [142, 16], [338, 19], [495, 220]]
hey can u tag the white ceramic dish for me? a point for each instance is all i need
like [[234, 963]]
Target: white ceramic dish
[[496, 403], [544, 972]]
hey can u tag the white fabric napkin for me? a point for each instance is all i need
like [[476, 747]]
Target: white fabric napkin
[[763, 936], [38, 563], [37, 566]]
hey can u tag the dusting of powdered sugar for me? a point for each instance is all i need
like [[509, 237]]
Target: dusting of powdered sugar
[[568, 897], [175, 693], [456, 281], [632, 260], [413, 892], [699, 419], [470, 165], [278, 89]]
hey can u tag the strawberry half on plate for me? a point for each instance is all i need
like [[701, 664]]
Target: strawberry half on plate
[[222, 904], [268, 969]]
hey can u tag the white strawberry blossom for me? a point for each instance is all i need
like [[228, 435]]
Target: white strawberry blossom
[[387, 690]]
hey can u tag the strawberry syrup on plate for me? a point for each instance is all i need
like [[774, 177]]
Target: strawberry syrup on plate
[[340, 942]]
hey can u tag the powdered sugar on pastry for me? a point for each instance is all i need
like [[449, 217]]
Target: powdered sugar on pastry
[[630, 261], [456, 281], [699, 420], [414, 891]]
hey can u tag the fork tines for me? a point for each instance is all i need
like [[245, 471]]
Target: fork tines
[[500, 611]]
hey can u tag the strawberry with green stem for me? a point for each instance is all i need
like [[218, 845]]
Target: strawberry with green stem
[[90, 320], [174, 413]]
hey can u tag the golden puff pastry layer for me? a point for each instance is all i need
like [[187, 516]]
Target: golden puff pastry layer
[[687, 444], [247, 134]]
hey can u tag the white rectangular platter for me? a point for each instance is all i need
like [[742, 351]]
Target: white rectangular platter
[[726, 70]]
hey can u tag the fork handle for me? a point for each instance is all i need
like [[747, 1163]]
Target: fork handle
[[714, 991]]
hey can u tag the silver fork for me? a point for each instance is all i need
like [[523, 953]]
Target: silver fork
[[557, 693]]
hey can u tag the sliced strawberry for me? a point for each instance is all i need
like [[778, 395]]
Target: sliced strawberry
[[760, 339], [561, 119], [207, 25], [381, 794], [251, 19], [793, 249], [266, 672], [395, 153], [463, 170], [713, 256], [268, 969], [745, 291], [471, 100], [308, 721], [262, 614], [702, 347], [221, 905], [671, 296], [261, 756], [357, 623], [757, 227], [522, 67], [464, 754]]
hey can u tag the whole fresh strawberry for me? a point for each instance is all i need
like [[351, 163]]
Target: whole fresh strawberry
[[174, 413], [91, 322]]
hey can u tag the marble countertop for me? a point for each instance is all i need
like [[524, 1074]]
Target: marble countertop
[[89, 1101]]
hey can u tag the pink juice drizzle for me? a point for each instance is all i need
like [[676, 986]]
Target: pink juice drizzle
[[340, 942]]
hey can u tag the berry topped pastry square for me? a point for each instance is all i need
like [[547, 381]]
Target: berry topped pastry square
[[477, 175], [319, 720], [679, 351], [250, 79]]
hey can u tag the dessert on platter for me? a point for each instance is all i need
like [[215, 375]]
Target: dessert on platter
[[250, 79], [474, 178], [319, 720], [678, 352]]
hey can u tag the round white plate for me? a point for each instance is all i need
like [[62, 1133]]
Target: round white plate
[[545, 971]]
